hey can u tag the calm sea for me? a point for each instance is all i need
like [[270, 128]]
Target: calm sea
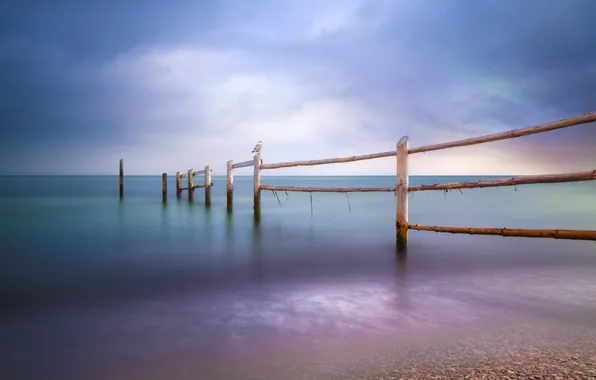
[[94, 287]]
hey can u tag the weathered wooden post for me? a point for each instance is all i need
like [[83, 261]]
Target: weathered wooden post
[[208, 185], [191, 184], [178, 185], [257, 185], [230, 185], [121, 177], [164, 187], [401, 207]]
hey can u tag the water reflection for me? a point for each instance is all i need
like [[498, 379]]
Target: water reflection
[[401, 272], [208, 229], [229, 232], [256, 252]]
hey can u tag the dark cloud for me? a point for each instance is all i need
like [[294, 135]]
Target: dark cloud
[[426, 66]]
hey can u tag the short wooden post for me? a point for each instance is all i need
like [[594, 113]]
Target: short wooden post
[[230, 185], [191, 184], [257, 185], [164, 187], [208, 185], [401, 207], [178, 185], [121, 177]]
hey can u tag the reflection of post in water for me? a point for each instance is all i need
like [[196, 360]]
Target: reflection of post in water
[[209, 225], [121, 249], [229, 244], [257, 250], [401, 270], [164, 223], [256, 220]]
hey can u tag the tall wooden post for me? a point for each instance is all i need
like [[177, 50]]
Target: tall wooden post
[[178, 185], [257, 185], [191, 184], [401, 207], [230, 185], [164, 187], [121, 178], [208, 185]]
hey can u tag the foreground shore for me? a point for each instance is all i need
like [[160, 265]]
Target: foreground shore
[[520, 353], [541, 364]]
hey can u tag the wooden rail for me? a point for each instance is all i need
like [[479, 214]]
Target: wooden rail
[[518, 232], [328, 160], [523, 180], [244, 164], [194, 187], [540, 128], [329, 189], [563, 123]]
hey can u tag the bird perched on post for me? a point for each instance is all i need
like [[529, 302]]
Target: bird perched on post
[[258, 147]]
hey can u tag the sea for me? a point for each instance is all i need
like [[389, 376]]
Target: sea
[[97, 287]]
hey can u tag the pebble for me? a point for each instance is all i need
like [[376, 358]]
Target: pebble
[[548, 364]]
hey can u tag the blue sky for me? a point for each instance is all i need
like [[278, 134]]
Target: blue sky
[[170, 85]]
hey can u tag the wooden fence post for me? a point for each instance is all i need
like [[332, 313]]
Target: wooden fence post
[[164, 187], [121, 178], [230, 185], [191, 184], [401, 207], [257, 186], [208, 185], [178, 185]]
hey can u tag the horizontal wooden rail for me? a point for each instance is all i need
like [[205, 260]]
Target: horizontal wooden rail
[[328, 160], [522, 180], [329, 189], [244, 164], [199, 172], [555, 234], [563, 123], [194, 187]]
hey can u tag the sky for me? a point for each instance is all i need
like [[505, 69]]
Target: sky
[[172, 85]]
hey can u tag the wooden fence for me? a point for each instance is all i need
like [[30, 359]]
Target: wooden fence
[[402, 188], [190, 188]]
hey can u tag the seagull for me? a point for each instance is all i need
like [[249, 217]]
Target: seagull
[[258, 147]]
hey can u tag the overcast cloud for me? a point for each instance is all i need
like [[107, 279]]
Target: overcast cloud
[[174, 85]]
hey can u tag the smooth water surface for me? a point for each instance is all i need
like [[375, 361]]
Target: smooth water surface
[[97, 287]]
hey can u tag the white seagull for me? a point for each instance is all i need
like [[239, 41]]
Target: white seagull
[[258, 147]]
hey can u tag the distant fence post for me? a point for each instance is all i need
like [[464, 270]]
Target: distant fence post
[[164, 187], [230, 185], [401, 206], [178, 185], [121, 178], [208, 185], [191, 184], [257, 185]]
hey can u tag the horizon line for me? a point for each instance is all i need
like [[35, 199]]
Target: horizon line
[[275, 175]]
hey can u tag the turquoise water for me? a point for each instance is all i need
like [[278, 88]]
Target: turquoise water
[[134, 280]]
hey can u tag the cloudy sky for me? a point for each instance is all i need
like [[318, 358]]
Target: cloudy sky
[[171, 85]]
